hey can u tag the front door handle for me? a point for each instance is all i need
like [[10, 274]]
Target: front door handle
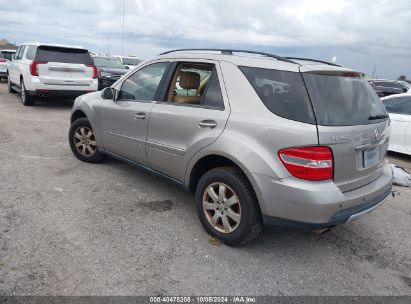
[[207, 124], [140, 115]]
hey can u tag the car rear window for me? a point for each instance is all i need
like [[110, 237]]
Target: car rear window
[[131, 61], [282, 92], [106, 62], [343, 101], [64, 55], [7, 55]]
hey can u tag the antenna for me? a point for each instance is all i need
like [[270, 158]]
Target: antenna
[[122, 34]]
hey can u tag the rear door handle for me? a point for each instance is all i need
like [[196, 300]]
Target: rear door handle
[[207, 124], [140, 115]]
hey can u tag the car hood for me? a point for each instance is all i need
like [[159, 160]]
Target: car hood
[[112, 70]]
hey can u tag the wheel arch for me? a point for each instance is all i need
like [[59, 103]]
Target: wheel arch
[[77, 114], [83, 109]]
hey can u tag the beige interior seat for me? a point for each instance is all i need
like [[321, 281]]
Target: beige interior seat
[[188, 81]]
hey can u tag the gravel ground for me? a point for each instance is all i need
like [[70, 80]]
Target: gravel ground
[[70, 228]]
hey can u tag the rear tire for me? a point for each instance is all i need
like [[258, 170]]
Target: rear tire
[[228, 207], [26, 99], [83, 142], [9, 86]]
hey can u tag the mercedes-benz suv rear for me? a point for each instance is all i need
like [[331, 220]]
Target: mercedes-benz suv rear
[[47, 70]]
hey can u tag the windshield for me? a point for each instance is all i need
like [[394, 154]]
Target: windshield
[[7, 55], [105, 62], [343, 101], [131, 61]]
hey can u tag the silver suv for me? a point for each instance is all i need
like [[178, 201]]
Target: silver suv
[[257, 137]]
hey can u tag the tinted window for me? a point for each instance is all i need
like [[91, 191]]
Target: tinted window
[[282, 92], [31, 52], [213, 96], [398, 105], [65, 55], [343, 101], [143, 84]]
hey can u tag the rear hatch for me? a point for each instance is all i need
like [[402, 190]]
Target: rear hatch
[[352, 120], [64, 66]]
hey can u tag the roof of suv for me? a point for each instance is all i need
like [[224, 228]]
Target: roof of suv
[[54, 45], [256, 59]]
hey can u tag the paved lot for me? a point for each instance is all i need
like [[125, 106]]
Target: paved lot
[[71, 228]]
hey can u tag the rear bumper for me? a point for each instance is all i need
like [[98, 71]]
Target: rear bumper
[[296, 203], [57, 93], [340, 217]]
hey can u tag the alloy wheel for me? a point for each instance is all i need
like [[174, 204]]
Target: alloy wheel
[[85, 141], [222, 207]]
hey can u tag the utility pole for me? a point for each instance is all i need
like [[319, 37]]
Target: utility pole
[[373, 71], [122, 34]]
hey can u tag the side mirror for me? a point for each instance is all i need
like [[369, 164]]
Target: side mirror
[[108, 93], [127, 67]]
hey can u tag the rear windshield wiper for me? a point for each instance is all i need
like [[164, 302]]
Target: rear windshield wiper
[[379, 116]]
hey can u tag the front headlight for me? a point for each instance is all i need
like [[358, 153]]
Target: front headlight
[[106, 75]]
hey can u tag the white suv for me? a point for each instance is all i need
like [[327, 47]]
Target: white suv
[[47, 70], [5, 58]]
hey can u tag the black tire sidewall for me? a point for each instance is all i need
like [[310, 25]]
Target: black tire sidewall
[[28, 100], [97, 156], [247, 201], [9, 85]]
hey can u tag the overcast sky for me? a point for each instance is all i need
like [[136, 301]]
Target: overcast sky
[[358, 33]]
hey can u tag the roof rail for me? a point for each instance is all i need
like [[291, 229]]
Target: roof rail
[[231, 51], [314, 60]]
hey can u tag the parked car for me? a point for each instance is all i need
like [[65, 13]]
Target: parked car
[[129, 61], [5, 58], [388, 87], [109, 70], [399, 108], [48, 70], [312, 157]]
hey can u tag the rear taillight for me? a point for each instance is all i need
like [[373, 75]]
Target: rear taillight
[[4, 60], [309, 163], [34, 71], [94, 70]]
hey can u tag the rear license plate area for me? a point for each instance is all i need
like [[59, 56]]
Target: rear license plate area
[[371, 156]]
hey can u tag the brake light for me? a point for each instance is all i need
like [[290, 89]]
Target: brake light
[[34, 67], [309, 163], [94, 70], [4, 60]]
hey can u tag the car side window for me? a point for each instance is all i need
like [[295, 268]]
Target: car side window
[[31, 52], [143, 84], [213, 97], [19, 52], [195, 84], [398, 105]]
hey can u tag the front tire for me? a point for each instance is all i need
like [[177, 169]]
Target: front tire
[[228, 207], [26, 99], [83, 142]]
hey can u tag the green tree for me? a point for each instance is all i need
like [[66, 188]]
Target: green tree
[[402, 77]]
